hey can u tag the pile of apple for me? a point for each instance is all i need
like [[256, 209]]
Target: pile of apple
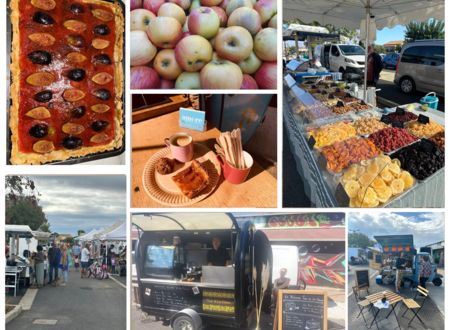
[[203, 44]]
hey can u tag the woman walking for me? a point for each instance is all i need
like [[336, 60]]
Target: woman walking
[[39, 260], [426, 268], [64, 264]]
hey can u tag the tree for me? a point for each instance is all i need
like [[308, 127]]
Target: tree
[[359, 240], [45, 227], [22, 206], [380, 49], [431, 29]]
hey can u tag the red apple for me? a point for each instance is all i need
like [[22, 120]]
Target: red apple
[[167, 84], [188, 80], [234, 4], [193, 52], [134, 4], [221, 75], [246, 17], [166, 65], [142, 51], [153, 5], [273, 22], [248, 82], [210, 3], [265, 44], [164, 32], [143, 77], [172, 10], [140, 19], [222, 15], [266, 76], [185, 4], [251, 64], [266, 9], [234, 43], [204, 21]]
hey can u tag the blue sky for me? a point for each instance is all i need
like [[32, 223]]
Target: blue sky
[[390, 34]]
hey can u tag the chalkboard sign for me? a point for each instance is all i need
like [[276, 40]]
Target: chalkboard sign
[[171, 296], [362, 278], [301, 310], [397, 124]]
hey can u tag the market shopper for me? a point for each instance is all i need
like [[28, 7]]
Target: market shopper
[[400, 264], [54, 258], [218, 255], [39, 262], [64, 265], [374, 66], [425, 271], [85, 256], [109, 257], [76, 253]]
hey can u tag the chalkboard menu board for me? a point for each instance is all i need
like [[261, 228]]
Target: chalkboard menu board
[[362, 278], [173, 296], [301, 310]]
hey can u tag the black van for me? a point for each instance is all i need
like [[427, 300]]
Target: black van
[[175, 282]]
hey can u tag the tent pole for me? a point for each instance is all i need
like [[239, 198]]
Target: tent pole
[[296, 45], [367, 49]]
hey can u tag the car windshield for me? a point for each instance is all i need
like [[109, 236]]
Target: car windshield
[[351, 50]]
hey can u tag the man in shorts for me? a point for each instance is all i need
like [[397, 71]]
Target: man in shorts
[[85, 260]]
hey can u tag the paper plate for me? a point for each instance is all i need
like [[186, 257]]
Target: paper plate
[[163, 190]]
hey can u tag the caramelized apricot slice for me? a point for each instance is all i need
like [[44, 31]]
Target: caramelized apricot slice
[[43, 147], [76, 57], [72, 129], [103, 15], [44, 4], [100, 43], [100, 138], [42, 39], [39, 113], [41, 79], [72, 95], [74, 25], [76, 40], [102, 78], [100, 108]]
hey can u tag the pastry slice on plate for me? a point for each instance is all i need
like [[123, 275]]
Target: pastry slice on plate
[[192, 180]]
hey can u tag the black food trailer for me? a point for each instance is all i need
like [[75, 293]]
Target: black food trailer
[[175, 282]]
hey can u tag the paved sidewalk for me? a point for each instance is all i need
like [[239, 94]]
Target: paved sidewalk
[[82, 304]]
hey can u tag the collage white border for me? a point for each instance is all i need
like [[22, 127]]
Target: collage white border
[[126, 169]]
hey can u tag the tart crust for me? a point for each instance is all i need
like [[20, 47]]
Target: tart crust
[[32, 158]]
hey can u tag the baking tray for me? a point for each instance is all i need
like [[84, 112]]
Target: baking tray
[[73, 160]]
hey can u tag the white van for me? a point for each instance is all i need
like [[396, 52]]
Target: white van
[[341, 58]]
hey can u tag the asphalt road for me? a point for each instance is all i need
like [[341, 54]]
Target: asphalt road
[[391, 92], [430, 313], [82, 304]]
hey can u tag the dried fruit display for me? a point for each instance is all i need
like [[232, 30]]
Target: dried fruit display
[[401, 118], [365, 126], [341, 109], [317, 111], [332, 133], [342, 154], [424, 130], [439, 140], [374, 182], [63, 53], [392, 138], [421, 159]]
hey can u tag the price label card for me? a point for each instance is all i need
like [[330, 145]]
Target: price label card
[[192, 119], [397, 124], [385, 119], [311, 142], [423, 119]]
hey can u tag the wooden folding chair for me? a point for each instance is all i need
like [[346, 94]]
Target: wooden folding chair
[[414, 306], [361, 303]]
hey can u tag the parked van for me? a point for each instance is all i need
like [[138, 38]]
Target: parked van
[[421, 67], [175, 282], [342, 58]]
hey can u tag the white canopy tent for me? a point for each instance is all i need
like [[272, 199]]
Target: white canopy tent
[[89, 236], [350, 13], [117, 234]]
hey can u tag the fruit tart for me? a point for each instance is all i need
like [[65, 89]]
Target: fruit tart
[[67, 79]]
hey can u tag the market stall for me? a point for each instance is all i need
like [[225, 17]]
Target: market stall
[[350, 153], [118, 237]]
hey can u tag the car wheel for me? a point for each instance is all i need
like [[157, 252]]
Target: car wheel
[[184, 322], [407, 85]]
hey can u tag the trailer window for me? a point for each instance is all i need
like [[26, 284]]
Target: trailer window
[[159, 260]]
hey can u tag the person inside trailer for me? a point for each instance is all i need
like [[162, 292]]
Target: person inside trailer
[[218, 255], [179, 257]]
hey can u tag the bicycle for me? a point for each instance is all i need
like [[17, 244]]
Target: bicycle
[[96, 270]]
